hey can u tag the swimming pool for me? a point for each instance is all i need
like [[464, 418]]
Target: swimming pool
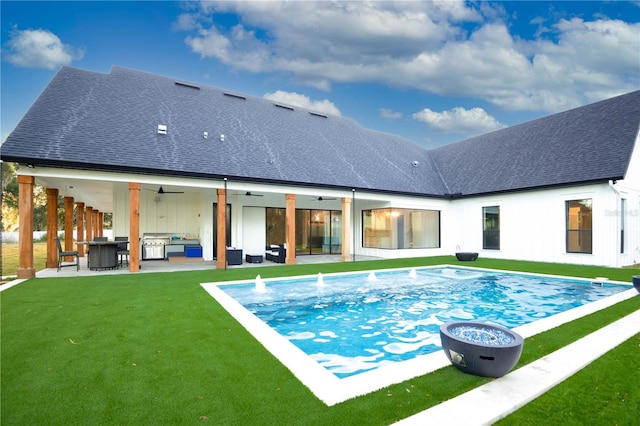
[[353, 323]]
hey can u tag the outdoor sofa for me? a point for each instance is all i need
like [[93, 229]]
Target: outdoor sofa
[[276, 253]]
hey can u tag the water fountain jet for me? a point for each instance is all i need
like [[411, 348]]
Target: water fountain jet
[[260, 286]]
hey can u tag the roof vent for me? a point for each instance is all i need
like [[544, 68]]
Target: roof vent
[[284, 106], [233, 95], [317, 114], [191, 86], [162, 129], [415, 163]]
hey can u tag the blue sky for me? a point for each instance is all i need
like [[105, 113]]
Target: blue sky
[[433, 72]]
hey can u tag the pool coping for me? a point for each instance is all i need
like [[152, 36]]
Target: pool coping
[[332, 390]]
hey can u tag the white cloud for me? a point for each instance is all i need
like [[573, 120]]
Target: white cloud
[[240, 49], [187, 22], [296, 99], [321, 84], [472, 121], [210, 43], [38, 49], [597, 54], [390, 114], [427, 46], [319, 41]]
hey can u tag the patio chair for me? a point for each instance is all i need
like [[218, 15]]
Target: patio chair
[[123, 249], [62, 254]]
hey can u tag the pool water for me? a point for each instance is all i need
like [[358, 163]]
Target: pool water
[[351, 323]]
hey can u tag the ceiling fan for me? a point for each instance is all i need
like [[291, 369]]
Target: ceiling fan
[[161, 191], [249, 194], [325, 199]]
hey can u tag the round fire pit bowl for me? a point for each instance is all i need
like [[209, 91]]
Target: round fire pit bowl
[[481, 349], [463, 256]]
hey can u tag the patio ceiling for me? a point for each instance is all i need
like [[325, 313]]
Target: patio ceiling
[[99, 193], [97, 189]]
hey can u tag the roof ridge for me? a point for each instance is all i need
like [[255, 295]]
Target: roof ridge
[[437, 170]]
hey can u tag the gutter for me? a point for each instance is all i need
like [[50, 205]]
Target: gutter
[[612, 183]]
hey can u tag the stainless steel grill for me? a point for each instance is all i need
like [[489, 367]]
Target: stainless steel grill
[[153, 245]]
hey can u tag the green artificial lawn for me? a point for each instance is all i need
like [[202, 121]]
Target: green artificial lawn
[[157, 349], [605, 393]]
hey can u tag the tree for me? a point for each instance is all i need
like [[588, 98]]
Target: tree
[[9, 197]]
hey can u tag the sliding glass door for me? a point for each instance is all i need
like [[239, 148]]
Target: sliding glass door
[[318, 231]]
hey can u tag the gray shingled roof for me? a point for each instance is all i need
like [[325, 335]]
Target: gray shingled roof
[[97, 121], [91, 120], [587, 144]]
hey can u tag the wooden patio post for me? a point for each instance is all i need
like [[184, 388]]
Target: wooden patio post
[[101, 224], [290, 229], [52, 227], [89, 223], [221, 242], [134, 227], [68, 225], [96, 224], [80, 225], [26, 269], [346, 230]]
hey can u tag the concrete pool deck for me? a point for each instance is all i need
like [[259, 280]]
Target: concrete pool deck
[[495, 400]]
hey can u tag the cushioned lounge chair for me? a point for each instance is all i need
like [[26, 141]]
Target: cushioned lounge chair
[[276, 253]]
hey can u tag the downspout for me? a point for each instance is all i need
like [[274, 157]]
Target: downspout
[[618, 196]]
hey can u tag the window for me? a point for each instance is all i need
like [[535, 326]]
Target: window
[[276, 226], [401, 228], [579, 224], [491, 228]]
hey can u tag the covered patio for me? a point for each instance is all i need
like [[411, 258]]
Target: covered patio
[[185, 206]]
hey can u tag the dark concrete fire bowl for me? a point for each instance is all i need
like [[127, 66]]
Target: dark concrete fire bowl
[[481, 349], [466, 256]]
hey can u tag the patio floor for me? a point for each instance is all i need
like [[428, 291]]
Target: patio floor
[[147, 266]]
